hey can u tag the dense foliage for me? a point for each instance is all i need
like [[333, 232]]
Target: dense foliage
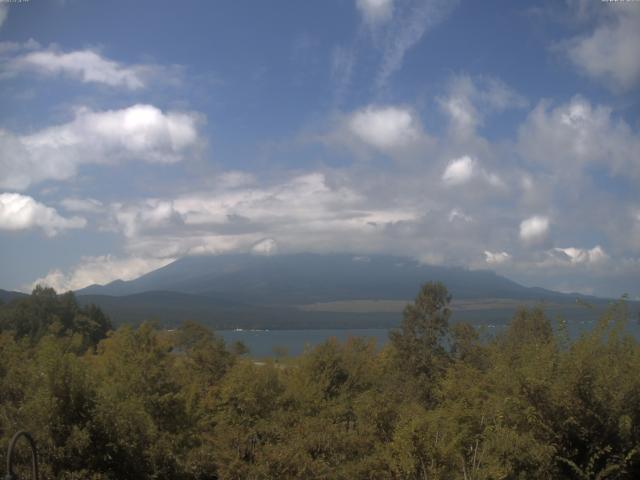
[[436, 402]]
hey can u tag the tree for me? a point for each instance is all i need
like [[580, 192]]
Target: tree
[[45, 312], [420, 343], [140, 409], [529, 327], [467, 347]]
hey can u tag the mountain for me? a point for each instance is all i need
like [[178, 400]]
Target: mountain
[[6, 296], [311, 278], [311, 291]]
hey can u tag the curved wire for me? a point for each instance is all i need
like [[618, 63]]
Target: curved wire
[[34, 455]]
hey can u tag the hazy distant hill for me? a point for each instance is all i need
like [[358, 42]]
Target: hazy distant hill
[[308, 278], [7, 296]]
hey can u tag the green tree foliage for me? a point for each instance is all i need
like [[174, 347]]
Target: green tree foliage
[[437, 402], [45, 312], [419, 344]]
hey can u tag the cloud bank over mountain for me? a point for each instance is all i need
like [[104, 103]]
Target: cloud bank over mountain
[[396, 132]]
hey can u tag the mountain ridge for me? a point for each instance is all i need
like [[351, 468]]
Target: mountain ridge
[[310, 278], [300, 291]]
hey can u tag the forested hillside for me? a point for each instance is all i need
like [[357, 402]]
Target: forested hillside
[[139, 403]]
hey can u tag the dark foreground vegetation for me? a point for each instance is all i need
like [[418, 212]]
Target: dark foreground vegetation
[[139, 403]]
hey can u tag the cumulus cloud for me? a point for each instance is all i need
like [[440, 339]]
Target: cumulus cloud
[[331, 211], [266, 247], [409, 209], [384, 128], [100, 270], [462, 113], [534, 229], [459, 171], [496, 258], [87, 66], [375, 11], [573, 269], [306, 210], [582, 256], [152, 214], [140, 132], [456, 214], [470, 99], [609, 53], [21, 212], [577, 134], [462, 170]]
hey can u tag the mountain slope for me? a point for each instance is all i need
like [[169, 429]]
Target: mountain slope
[[6, 296], [309, 278], [311, 291]]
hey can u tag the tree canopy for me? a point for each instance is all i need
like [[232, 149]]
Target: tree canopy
[[437, 401]]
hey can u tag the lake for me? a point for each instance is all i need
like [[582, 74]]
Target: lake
[[261, 343]]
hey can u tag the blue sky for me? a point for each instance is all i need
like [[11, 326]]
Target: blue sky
[[497, 135]]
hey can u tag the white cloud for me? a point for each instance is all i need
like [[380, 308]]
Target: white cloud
[[375, 11], [496, 258], [576, 134], [457, 214], [609, 53], [140, 132], [459, 171], [464, 116], [583, 256], [432, 258], [360, 212], [100, 270], [385, 128], [469, 99], [4, 13], [152, 214], [534, 229], [266, 247], [342, 63], [304, 210], [395, 28], [462, 170], [21, 212], [409, 26], [83, 205], [498, 96], [493, 179], [8, 48], [235, 179], [88, 66]]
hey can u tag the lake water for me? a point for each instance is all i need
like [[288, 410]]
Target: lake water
[[262, 343]]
